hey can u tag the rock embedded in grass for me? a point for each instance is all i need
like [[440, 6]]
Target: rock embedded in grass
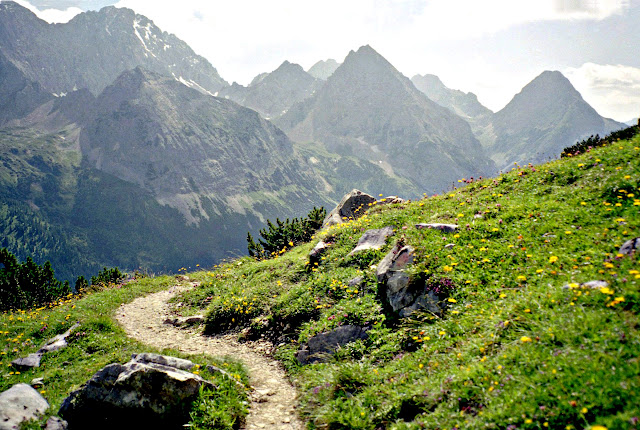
[[316, 253], [447, 228], [54, 344], [151, 388], [321, 346], [402, 295], [20, 404], [352, 206], [373, 239], [630, 246]]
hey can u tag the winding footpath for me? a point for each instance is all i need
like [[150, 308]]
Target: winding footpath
[[273, 399]]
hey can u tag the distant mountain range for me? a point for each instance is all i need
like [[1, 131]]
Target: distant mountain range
[[544, 118], [94, 48], [273, 93], [368, 109], [116, 151]]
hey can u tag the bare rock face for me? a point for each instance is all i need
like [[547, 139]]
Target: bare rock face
[[153, 389], [18, 404], [323, 345], [352, 206]]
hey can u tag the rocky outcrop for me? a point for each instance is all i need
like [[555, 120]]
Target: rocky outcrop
[[352, 206], [373, 239], [402, 295], [321, 346], [155, 389], [19, 404]]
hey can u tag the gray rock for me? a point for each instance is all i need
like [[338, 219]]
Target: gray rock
[[28, 362], [449, 245], [353, 205], [447, 228], [151, 388], [37, 382], [316, 253], [185, 321], [397, 259], [630, 246], [321, 346], [56, 423], [164, 360], [18, 404], [54, 344], [389, 200], [373, 239], [356, 282], [403, 296], [318, 250], [58, 342]]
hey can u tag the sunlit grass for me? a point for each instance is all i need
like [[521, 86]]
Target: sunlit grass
[[97, 342], [521, 344]]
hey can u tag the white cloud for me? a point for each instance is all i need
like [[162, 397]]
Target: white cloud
[[462, 19], [246, 37], [613, 90], [242, 38], [51, 15]]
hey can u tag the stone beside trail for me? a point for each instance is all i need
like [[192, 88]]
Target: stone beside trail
[[18, 404], [273, 401], [151, 388]]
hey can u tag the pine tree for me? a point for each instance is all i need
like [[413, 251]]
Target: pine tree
[[281, 235]]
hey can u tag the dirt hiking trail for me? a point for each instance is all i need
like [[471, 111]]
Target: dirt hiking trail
[[273, 400]]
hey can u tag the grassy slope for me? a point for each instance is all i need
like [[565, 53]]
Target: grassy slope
[[513, 350], [97, 342]]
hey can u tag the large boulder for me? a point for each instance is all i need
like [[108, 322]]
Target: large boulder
[[352, 206], [153, 389], [404, 296], [322, 346], [19, 404], [373, 239]]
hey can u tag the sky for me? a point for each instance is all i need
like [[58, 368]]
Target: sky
[[492, 48]]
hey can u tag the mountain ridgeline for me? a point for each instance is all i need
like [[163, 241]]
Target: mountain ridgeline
[[94, 48], [120, 146], [369, 109]]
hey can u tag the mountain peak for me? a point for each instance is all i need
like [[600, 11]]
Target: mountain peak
[[551, 82], [365, 51], [323, 69], [549, 103], [286, 66], [100, 45]]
